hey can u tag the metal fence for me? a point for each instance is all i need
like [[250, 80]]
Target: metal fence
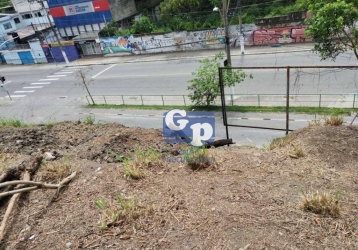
[[257, 100]]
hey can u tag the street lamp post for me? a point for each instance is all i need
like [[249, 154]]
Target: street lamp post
[[227, 40]]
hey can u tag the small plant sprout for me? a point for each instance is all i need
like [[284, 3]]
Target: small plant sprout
[[89, 120], [198, 158], [321, 203], [84, 79]]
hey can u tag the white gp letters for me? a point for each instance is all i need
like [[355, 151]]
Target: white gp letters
[[196, 128]]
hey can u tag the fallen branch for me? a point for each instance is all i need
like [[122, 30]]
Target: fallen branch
[[62, 185], [31, 183], [38, 185], [10, 207], [219, 143]]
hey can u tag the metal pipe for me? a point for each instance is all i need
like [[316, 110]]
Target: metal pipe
[[288, 100]]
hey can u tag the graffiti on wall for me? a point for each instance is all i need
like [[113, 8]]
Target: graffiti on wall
[[175, 41], [278, 35], [204, 39]]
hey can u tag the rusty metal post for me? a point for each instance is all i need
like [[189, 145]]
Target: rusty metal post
[[223, 103], [288, 100]]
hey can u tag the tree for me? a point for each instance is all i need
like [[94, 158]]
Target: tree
[[333, 26], [111, 29], [82, 76], [205, 85], [143, 25]]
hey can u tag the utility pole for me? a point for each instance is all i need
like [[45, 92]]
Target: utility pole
[[241, 37], [227, 43], [52, 28]]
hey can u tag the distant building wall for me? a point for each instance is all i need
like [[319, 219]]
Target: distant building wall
[[198, 40], [74, 17], [37, 51], [121, 9], [12, 57]]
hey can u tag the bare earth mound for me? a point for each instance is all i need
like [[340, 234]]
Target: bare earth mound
[[248, 199]]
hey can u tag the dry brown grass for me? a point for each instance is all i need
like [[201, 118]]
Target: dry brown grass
[[114, 213], [280, 142], [140, 159], [315, 123], [333, 120], [321, 203], [54, 171], [298, 151]]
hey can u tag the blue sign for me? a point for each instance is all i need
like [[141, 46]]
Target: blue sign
[[195, 128]]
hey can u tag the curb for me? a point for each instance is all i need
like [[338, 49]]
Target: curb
[[193, 57]]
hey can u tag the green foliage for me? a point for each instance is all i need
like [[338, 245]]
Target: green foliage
[[12, 122], [143, 25], [205, 85], [111, 29], [332, 27], [89, 119]]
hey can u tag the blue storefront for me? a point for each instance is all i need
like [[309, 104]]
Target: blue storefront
[[79, 18]]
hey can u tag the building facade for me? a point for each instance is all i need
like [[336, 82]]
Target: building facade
[[75, 17], [81, 21]]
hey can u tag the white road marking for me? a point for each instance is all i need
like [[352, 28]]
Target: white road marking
[[64, 72], [24, 91], [15, 96], [103, 71], [35, 87], [7, 82], [78, 67], [57, 76], [38, 83], [53, 79]]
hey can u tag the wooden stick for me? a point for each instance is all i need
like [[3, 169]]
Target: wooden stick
[[62, 185], [31, 183], [10, 207], [353, 119], [21, 190], [38, 185]]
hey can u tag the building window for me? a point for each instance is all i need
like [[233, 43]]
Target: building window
[[7, 26], [38, 14], [27, 16], [16, 20]]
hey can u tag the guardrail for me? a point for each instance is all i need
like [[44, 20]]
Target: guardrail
[[258, 100]]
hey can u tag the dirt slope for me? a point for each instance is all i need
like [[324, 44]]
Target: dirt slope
[[249, 199]]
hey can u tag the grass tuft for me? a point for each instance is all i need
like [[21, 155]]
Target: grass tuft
[[135, 166], [280, 142], [89, 120], [333, 120], [298, 151], [198, 158], [113, 213], [12, 122], [54, 170], [314, 123], [321, 203]]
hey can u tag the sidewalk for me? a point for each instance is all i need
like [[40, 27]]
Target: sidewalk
[[132, 58]]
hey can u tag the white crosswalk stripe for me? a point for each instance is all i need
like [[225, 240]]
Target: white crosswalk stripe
[[52, 79], [38, 83], [15, 96], [24, 91], [34, 87]]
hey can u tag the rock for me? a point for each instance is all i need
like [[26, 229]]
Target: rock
[[68, 245], [48, 156], [32, 237], [19, 141]]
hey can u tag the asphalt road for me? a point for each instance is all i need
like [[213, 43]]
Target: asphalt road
[[43, 93]]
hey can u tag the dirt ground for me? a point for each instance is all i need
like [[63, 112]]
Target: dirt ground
[[249, 198]]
